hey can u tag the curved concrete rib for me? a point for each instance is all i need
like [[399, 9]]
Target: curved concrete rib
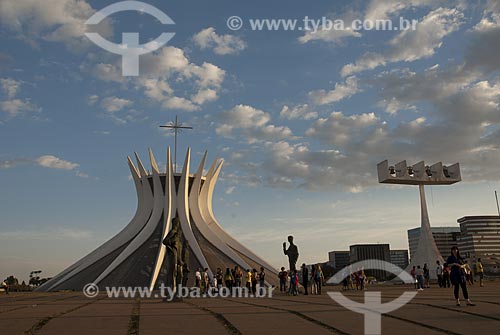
[[167, 218], [151, 224], [216, 227], [204, 191], [201, 222], [183, 210], [125, 235]]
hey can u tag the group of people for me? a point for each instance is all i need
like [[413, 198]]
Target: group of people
[[421, 276], [290, 280], [231, 278], [443, 273], [356, 280], [455, 272]]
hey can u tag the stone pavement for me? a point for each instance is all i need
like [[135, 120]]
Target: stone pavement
[[432, 311]]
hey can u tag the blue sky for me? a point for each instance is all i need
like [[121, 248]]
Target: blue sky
[[300, 118]]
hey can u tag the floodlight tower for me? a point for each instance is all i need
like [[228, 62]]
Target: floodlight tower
[[421, 174]]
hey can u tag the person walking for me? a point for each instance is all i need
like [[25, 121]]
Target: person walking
[[294, 281], [314, 287], [228, 278], [413, 273], [439, 273], [238, 275], [197, 277], [356, 280], [457, 275], [427, 276], [319, 278], [362, 279], [262, 281], [420, 278], [205, 280], [283, 276], [218, 279], [255, 277], [480, 272], [249, 280], [345, 281], [305, 277]]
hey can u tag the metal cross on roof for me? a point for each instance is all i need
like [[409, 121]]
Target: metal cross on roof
[[176, 127]]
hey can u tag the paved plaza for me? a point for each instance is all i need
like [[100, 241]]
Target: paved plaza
[[432, 311]]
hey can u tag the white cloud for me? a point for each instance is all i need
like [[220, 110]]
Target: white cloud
[[47, 161], [10, 163], [16, 107], [170, 67], [107, 72], [81, 174], [204, 95], [230, 189], [384, 9], [340, 92], [335, 34], [179, 103], [209, 75], [374, 10], [53, 162], [296, 165], [50, 20], [411, 45], [483, 52], [250, 122], [220, 44], [303, 112], [117, 109], [462, 125], [339, 129], [92, 99], [115, 104], [10, 86], [393, 105]]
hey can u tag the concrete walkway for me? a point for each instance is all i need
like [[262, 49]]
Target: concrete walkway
[[432, 311]]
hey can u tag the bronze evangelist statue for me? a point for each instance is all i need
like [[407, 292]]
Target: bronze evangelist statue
[[177, 255], [292, 252]]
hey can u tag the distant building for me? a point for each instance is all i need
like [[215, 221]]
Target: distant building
[[373, 252], [400, 258], [445, 237], [480, 238], [338, 259]]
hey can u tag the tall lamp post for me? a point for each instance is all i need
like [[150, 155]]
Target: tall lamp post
[[421, 175]]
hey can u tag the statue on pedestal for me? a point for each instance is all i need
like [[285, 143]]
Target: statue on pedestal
[[292, 252], [177, 255]]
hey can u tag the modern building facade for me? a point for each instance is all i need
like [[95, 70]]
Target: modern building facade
[[400, 258], [445, 238], [338, 259], [480, 238], [373, 253], [136, 256]]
